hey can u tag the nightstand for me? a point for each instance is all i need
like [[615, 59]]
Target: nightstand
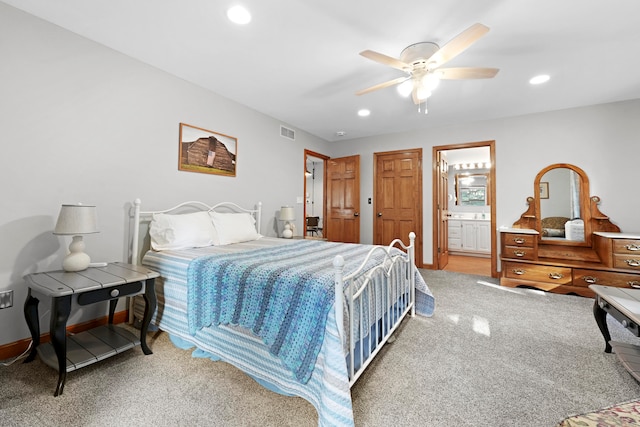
[[95, 284]]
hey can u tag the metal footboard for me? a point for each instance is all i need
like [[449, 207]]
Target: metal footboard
[[375, 305]]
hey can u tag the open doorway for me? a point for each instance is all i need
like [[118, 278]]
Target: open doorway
[[464, 208], [314, 190]]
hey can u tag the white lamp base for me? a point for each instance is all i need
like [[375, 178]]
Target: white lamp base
[[287, 233], [76, 260]]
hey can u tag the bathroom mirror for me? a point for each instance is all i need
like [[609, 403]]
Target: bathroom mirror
[[471, 189]]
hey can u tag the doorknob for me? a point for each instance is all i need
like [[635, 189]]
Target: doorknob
[[356, 214], [379, 214]]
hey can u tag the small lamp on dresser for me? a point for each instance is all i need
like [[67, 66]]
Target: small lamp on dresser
[[287, 214], [76, 220]]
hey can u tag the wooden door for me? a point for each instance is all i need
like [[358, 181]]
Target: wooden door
[[343, 200], [442, 209], [398, 197]]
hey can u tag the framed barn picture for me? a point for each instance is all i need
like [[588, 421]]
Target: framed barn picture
[[205, 151]]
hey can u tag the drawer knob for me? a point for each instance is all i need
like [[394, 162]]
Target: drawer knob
[[518, 240], [590, 279], [625, 323], [634, 284], [518, 271], [519, 253], [632, 247], [632, 262], [114, 293], [555, 276], [602, 304]]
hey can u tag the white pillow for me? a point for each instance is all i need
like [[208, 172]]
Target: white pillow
[[193, 230], [234, 227]]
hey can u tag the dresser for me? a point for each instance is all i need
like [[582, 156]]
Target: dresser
[[563, 242], [613, 260]]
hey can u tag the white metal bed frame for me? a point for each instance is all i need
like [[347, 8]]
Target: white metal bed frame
[[343, 303]]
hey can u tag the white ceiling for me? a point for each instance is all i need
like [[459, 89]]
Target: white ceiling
[[298, 61]]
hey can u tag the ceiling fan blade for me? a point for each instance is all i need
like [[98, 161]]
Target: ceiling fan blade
[[383, 85], [385, 60], [466, 73], [459, 43]]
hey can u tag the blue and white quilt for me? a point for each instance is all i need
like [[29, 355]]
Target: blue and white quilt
[[283, 280]]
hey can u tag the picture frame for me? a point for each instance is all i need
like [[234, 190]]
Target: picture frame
[[205, 151], [544, 190]]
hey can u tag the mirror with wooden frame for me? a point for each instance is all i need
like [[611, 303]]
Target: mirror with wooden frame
[[562, 201], [562, 210]]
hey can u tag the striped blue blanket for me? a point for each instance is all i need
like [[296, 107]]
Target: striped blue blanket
[[281, 294]]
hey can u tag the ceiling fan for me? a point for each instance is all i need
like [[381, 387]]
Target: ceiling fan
[[422, 62]]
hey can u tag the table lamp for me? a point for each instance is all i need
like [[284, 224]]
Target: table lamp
[[76, 220], [287, 214]]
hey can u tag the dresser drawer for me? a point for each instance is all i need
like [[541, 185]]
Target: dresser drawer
[[628, 262], [538, 273], [517, 239], [111, 292], [605, 278], [455, 243], [519, 253], [455, 232], [626, 246]]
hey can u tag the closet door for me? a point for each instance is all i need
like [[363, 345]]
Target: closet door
[[343, 200], [398, 198]]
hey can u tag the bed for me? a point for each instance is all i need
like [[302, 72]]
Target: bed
[[301, 317]]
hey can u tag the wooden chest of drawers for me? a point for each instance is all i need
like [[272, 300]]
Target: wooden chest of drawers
[[519, 245], [618, 250], [615, 262], [582, 277], [538, 273]]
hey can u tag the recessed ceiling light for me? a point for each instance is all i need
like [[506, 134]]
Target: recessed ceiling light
[[543, 78], [239, 15], [364, 112]]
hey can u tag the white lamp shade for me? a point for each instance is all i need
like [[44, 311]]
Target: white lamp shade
[[76, 219], [287, 213]]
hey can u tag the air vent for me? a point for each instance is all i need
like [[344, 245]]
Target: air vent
[[285, 132]]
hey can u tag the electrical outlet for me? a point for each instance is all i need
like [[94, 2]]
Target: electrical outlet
[[6, 299]]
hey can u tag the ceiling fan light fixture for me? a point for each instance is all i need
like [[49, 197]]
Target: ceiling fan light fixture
[[422, 93], [430, 81], [405, 88]]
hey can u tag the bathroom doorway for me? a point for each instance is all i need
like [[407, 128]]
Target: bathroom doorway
[[464, 206]]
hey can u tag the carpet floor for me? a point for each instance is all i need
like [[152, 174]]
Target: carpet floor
[[490, 356]]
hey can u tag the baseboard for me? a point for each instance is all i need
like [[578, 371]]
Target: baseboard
[[11, 350], [474, 254]]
